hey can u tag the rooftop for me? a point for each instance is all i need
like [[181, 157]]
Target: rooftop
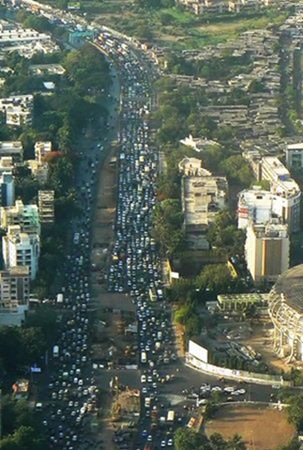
[[290, 286]]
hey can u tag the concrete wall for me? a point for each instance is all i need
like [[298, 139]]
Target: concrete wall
[[258, 378]]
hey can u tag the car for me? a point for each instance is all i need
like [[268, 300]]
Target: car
[[163, 443], [170, 443]]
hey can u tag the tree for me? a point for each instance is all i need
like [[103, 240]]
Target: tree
[[295, 411], [237, 170], [186, 439], [215, 278], [24, 438], [236, 443]]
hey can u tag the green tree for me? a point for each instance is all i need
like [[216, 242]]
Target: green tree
[[295, 411], [185, 439], [215, 278]]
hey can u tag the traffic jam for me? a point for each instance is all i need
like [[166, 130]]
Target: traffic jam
[[135, 267]]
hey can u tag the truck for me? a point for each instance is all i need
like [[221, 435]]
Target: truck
[[55, 351]]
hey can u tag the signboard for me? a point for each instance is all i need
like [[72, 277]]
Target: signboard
[[198, 351]]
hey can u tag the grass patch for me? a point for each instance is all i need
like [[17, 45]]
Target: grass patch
[[183, 30]]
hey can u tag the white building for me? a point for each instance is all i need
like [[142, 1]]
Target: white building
[[12, 149], [41, 150], [294, 156], [192, 167], [17, 110], [26, 216], [286, 190], [7, 189], [254, 205], [6, 164], [267, 251], [46, 202], [21, 249]]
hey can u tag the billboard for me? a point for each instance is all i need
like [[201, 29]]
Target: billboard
[[198, 351]]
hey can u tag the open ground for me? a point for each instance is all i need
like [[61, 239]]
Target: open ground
[[262, 428]]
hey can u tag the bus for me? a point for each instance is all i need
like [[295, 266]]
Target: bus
[[170, 417]]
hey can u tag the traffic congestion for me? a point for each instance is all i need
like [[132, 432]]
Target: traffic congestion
[[135, 269]]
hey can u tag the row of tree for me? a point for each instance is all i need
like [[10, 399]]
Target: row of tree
[[77, 102], [185, 439]]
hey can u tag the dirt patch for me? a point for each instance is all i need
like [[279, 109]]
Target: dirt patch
[[254, 424]]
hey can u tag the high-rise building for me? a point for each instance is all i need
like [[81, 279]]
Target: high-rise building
[[21, 249], [294, 156], [7, 189], [26, 216], [14, 286], [267, 250], [46, 207], [41, 150]]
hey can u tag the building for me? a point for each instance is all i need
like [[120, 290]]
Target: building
[[267, 251], [6, 164], [46, 69], [13, 149], [46, 207], [294, 156], [254, 205], [286, 190], [192, 167], [14, 286], [7, 189], [286, 312], [238, 302], [203, 196], [198, 144], [258, 206], [21, 249], [17, 110], [26, 216], [41, 150], [38, 170]]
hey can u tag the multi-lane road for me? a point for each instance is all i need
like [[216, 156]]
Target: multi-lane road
[[135, 269]]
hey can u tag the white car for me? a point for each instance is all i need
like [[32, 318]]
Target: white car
[[143, 378]]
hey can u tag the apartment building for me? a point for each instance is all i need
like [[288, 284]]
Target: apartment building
[[17, 110], [21, 249], [7, 189], [11, 149], [14, 286], [267, 250], [6, 164], [294, 156], [286, 190], [41, 150], [26, 216], [46, 207], [192, 167], [203, 196], [38, 170]]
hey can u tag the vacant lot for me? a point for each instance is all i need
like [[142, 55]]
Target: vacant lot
[[261, 428]]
